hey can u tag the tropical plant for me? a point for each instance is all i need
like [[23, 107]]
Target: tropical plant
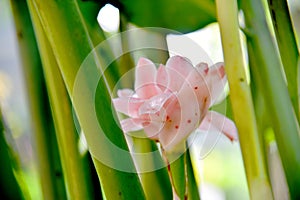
[[82, 82]]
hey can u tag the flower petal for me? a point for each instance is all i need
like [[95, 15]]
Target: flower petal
[[217, 80], [128, 105], [131, 124], [218, 122], [178, 68], [145, 75], [180, 64], [125, 92], [183, 117], [162, 78], [200, 86], [154, 104]]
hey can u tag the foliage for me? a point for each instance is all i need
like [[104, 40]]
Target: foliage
[[72, 69]]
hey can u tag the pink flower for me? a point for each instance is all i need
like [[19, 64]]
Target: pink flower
[[170, 102]]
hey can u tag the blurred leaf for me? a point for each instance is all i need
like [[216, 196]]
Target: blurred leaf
[[184, 16], [49, 165], [9, 188], [287, 47], [274, 90]]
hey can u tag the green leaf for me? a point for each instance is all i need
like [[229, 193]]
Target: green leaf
[[275, 93], [9, 188], [68, 31], [49, 166], [183, 16], [287, 47], [74, 168]]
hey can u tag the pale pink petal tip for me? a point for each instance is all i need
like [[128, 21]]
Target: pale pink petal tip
[[218, 122], [125, 92], [180, 64], [130, 124], [162, 77]]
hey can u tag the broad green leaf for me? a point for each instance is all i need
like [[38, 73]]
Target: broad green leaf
[[183, 16], [71, 39], [74, 168]]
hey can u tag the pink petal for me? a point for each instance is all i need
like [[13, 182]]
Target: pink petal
[[162, 78], [182, 118], [153, 127], [218, 122], [128, 105], [178, 68], [216, 79], [154, 104], [145, 75], [180, 64], [131, 124], [125, 92], [202, 68], [148, 91], [199, 85]]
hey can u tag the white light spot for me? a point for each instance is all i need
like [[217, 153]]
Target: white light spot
[[109, 18]]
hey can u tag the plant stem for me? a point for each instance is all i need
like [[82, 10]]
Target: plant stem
[[287, 47], [242, 105], [156, 183], [278, 104], [193, 189]]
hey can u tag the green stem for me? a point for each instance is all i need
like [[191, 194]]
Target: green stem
[[72, 39], [275, 93], [242, 105], [287, 47], [46, 147], [75, 170], [193, 189], [156, 182], [178, 174]]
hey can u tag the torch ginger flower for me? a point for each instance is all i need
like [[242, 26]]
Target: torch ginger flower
[[171, 102]]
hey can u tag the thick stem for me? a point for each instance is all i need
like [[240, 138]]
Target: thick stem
[[192, 187], [242, 105]]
